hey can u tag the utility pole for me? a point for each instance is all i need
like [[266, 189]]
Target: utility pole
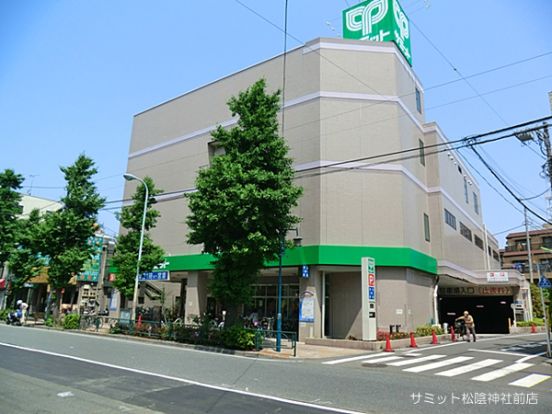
[[528, 243]]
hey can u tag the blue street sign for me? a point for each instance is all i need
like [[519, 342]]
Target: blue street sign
[[305, 271], [159, 275], [544, 283]]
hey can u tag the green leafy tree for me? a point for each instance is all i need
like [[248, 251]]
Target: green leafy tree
[[535, 297], [64, 234], [125, 258], [25, 262], [242, 208], [10, 208]]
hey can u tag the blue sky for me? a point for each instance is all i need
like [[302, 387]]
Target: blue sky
[[73, 74]]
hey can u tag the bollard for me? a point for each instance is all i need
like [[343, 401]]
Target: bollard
[[434, 338], [413, 341], [387, 344]]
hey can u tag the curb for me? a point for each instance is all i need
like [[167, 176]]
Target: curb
[[262, 354]]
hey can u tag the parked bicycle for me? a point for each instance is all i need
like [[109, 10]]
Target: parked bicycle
[[91, 320]]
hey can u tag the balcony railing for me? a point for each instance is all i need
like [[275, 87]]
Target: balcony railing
[[522, 247], [524, 268]]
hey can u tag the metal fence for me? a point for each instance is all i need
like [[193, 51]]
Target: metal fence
[[267, 339], [206, 334]]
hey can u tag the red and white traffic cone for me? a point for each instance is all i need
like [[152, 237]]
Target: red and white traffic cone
[[413, 341], [387, 344], [434, 338], [452, 335]]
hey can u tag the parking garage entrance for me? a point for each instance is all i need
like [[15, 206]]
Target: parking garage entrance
[[491, 308]]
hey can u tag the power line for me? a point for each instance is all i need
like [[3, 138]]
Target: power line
[[490, 70], [506, 187]]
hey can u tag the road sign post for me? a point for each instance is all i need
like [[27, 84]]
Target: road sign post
[[545, 283]]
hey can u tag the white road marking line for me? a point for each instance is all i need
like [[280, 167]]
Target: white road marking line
[[469, 368], [356, 358], [496, 352], [439, 364], [530, 380], [494, 338], [502, 372], [416, 360], [530, 357], [384, 359], [412, 354], [65, 394], [185, 381]]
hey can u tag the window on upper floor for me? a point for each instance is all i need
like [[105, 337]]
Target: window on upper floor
[[547, 242], [465, 231], [466, 197], [418, 101], [496, 256], [426, 227], [422, 152], [450, 219], [478, 241], [215, 149], [476, 203]]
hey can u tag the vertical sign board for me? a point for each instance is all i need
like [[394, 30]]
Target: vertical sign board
[[369, 324], [91, 269], [379, 21]]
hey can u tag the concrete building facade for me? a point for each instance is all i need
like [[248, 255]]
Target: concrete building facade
[[379, 181]]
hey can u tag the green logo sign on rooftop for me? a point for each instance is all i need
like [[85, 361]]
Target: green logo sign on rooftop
[[379, 21]]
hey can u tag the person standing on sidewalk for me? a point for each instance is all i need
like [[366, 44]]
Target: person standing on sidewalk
[[469, 323]]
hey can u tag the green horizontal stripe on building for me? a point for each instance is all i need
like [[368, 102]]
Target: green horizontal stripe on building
[[324, 255]]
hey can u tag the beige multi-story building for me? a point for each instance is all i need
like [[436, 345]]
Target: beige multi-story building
[[516, 253], [379, 181]]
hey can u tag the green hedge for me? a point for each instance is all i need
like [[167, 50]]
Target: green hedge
[[71, 321], [427, 330], [4, 314], [535, 321]]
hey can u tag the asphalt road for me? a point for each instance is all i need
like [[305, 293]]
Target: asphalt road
[[39, 367]]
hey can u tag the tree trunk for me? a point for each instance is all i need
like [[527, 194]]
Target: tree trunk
[[232, 315], [57, 304]]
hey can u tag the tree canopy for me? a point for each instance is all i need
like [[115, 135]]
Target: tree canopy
[[10, 208], [125, 258], [64, 234], [242, 207]]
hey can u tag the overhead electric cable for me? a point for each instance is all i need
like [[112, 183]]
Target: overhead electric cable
[[506, 187]]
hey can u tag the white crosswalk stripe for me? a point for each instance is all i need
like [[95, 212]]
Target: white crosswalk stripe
[[384, 359], [413, 361], [530, 380], [502, 372], [469, 368], [439, 364], [422, 364], [355, 358]]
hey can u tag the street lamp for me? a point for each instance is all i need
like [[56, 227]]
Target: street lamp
[[297, 242], [130, 177]]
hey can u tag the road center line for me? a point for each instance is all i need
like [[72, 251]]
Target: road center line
[[184, 380], [488, 351]]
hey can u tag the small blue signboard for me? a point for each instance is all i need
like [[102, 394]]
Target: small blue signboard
[[371, 292], [305, 272], [544, 283], [158, 275]]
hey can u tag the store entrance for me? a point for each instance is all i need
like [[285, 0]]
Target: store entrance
[[264, 305]]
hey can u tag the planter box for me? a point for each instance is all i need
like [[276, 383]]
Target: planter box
[[525, 329]]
